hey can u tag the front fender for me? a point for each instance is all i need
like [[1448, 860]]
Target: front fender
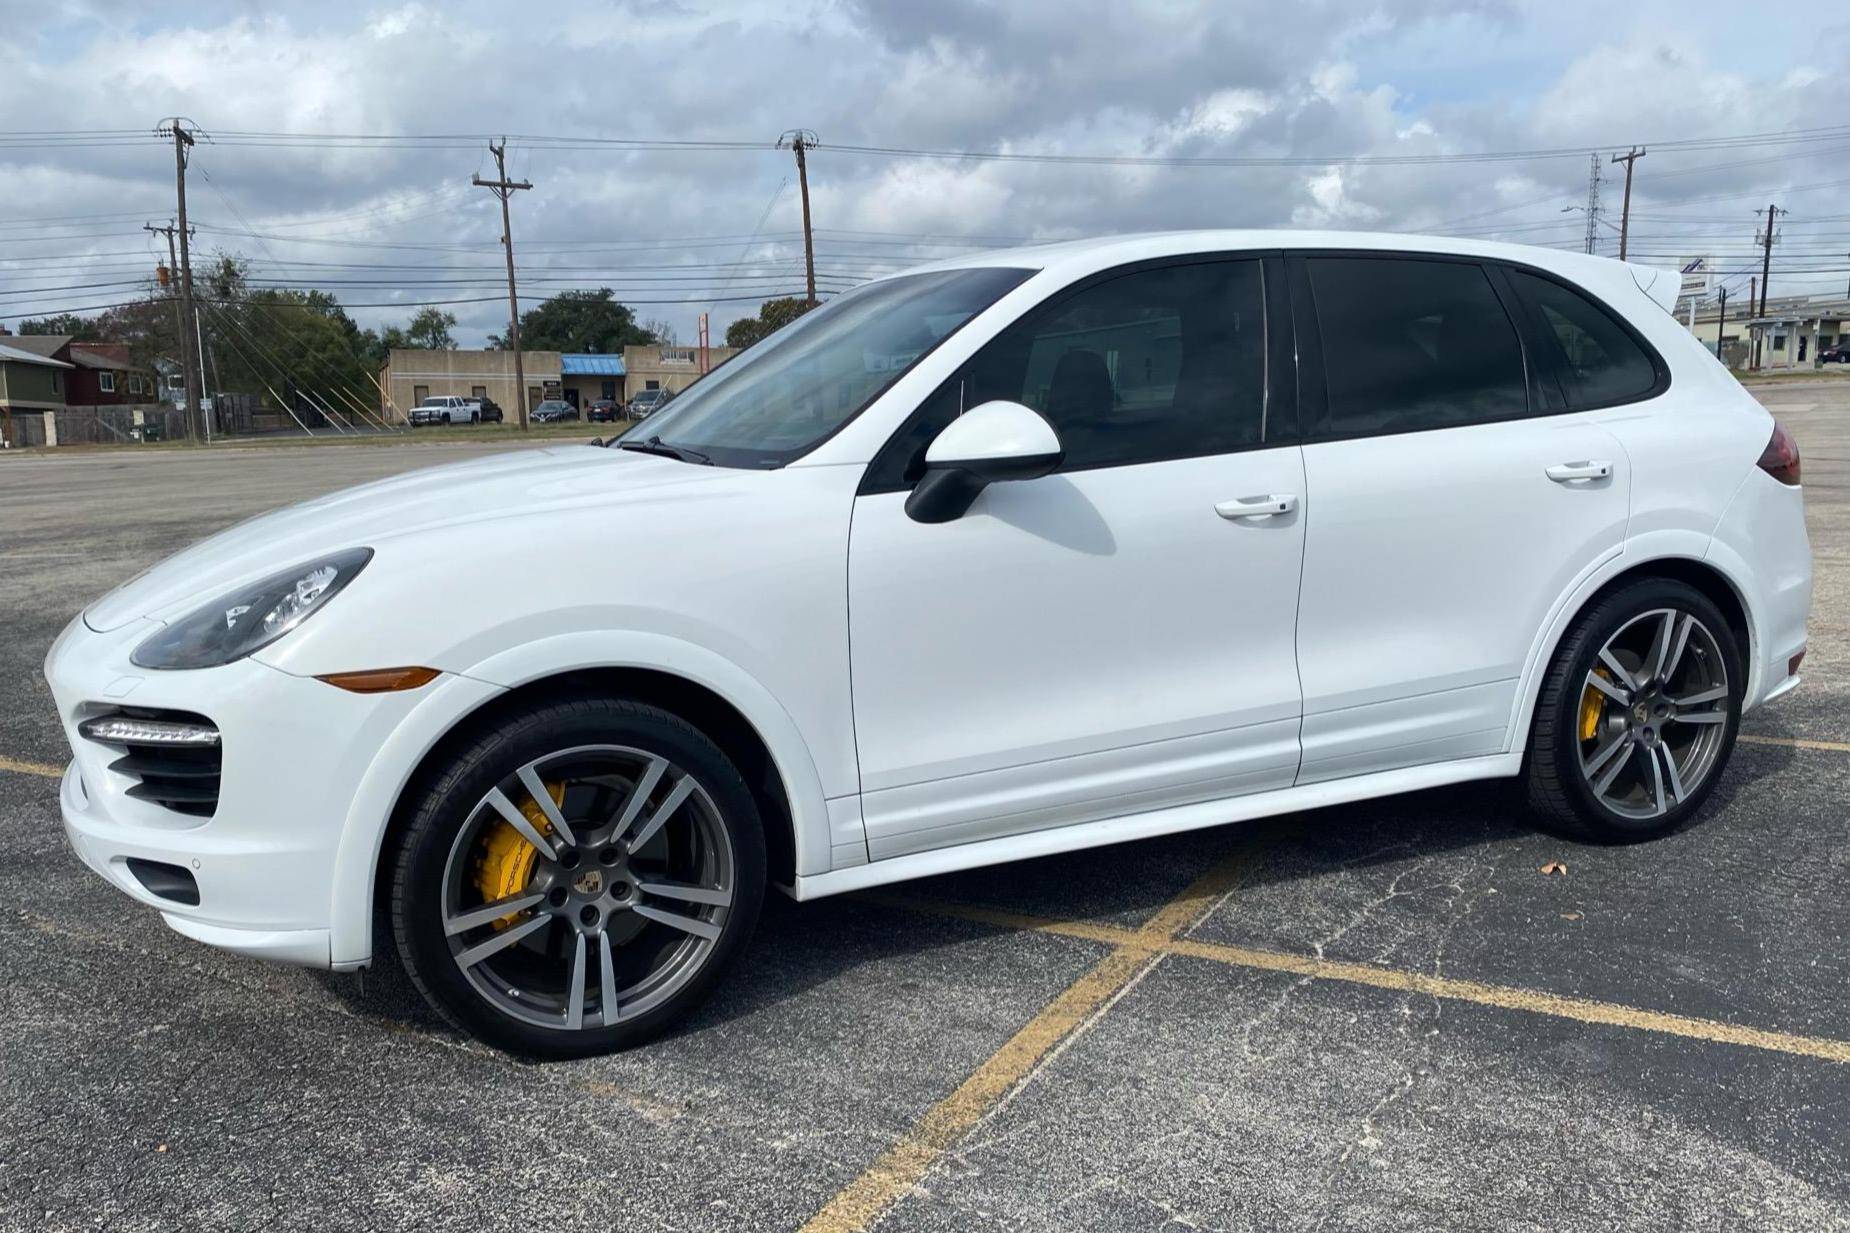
[[459, 695]]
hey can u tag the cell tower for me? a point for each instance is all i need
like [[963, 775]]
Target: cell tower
[[1593, 203]]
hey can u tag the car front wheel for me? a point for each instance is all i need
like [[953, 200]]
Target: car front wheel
[[578, 878], [1637, 716]]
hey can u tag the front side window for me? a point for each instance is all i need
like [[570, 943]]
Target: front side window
[[107, 381], [1412, 344], [1154, 364], [781, 398], [1601, 360]]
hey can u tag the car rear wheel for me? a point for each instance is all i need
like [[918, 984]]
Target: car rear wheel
[[475, 417], [1637, 716], [578, 878]]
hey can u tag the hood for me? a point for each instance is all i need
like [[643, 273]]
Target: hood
[[528, 483]]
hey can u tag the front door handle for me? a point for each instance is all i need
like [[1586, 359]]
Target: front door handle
[[1270, 506], [1568, 472]]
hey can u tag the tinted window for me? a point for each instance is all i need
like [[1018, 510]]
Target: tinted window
[[1157, 364], [1410, 345], [1602, 362]]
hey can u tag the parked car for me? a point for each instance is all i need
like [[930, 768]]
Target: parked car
[[604, 411], [553, 411], [445, 409], [1840, 354], [1118, 538], [491, 412], [645, 403]]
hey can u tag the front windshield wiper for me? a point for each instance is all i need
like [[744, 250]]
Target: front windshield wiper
[[655, 445]]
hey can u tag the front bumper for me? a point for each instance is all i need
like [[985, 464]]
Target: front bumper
[[295, 751]]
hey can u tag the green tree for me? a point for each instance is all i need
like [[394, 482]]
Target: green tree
[[81, 328], [773, 315], [430, 329], [578, 321]]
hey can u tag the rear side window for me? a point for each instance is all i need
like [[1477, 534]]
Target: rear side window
[[1602, 363], [1411, 345]]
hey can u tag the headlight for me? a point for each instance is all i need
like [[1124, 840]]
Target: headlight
[[234, 625]]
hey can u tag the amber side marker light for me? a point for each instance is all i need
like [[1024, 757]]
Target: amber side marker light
[[381, 680]]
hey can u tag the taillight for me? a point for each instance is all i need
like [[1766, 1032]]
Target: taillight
[[1780, 458]]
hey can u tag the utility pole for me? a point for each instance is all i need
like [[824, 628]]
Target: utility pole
[[1592, 203], [1766, 239], [181, 130], [1721, 324], [800, 140], [169, 276], [1625, 213], [505, 188], [1753, 363]]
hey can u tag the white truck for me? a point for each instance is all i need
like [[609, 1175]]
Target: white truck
[[446, 409]]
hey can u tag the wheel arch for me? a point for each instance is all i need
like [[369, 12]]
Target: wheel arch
[[740, 716], [1694, 570]]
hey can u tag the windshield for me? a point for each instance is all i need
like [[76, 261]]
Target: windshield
[[781, 398]]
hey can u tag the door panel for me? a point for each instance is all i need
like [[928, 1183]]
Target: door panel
[[1074, 647], [1431, 562]]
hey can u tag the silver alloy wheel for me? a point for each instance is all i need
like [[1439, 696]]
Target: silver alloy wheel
[[1654, 712], [630, 883]]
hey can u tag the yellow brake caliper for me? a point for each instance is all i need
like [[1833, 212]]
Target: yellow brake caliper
[[506, 864], [1592, 708]]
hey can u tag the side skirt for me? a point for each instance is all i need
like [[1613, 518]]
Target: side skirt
[[1155, 822]]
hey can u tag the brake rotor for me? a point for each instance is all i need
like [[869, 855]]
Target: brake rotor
[[506, 862]]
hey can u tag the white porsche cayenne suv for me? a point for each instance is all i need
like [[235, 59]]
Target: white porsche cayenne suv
[[1014, 554]]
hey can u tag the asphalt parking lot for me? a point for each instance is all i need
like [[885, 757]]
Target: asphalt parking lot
[[1380, 1016]]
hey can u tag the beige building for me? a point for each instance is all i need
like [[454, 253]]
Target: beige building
[[668, 367], [1791, 334], [580, 378], [411, 376]]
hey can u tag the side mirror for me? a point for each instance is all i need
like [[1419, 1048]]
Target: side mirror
[[985, 445]]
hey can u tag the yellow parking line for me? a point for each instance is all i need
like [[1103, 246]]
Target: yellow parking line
[[1507, 997], [1794, 743], [31, 768], [886, 1181]]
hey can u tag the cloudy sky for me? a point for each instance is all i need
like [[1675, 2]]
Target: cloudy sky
[[338, 139]]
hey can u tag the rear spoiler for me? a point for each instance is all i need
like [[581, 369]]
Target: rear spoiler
[[1660, 285]]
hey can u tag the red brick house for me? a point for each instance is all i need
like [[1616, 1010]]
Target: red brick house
[[101, 374]]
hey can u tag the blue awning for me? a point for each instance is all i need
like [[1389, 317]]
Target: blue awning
[[591, 365]]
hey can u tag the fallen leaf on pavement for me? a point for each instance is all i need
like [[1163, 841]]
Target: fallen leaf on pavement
[[1554, 867]]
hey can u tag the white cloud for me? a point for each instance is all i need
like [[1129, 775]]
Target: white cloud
[[1073, 76]]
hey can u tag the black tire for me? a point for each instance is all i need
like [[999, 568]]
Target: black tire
[[475, 417], [447, 799], [446, 417], [1557, 788]]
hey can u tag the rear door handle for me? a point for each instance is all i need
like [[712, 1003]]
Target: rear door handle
[[1568, 472], [1270, 506]]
